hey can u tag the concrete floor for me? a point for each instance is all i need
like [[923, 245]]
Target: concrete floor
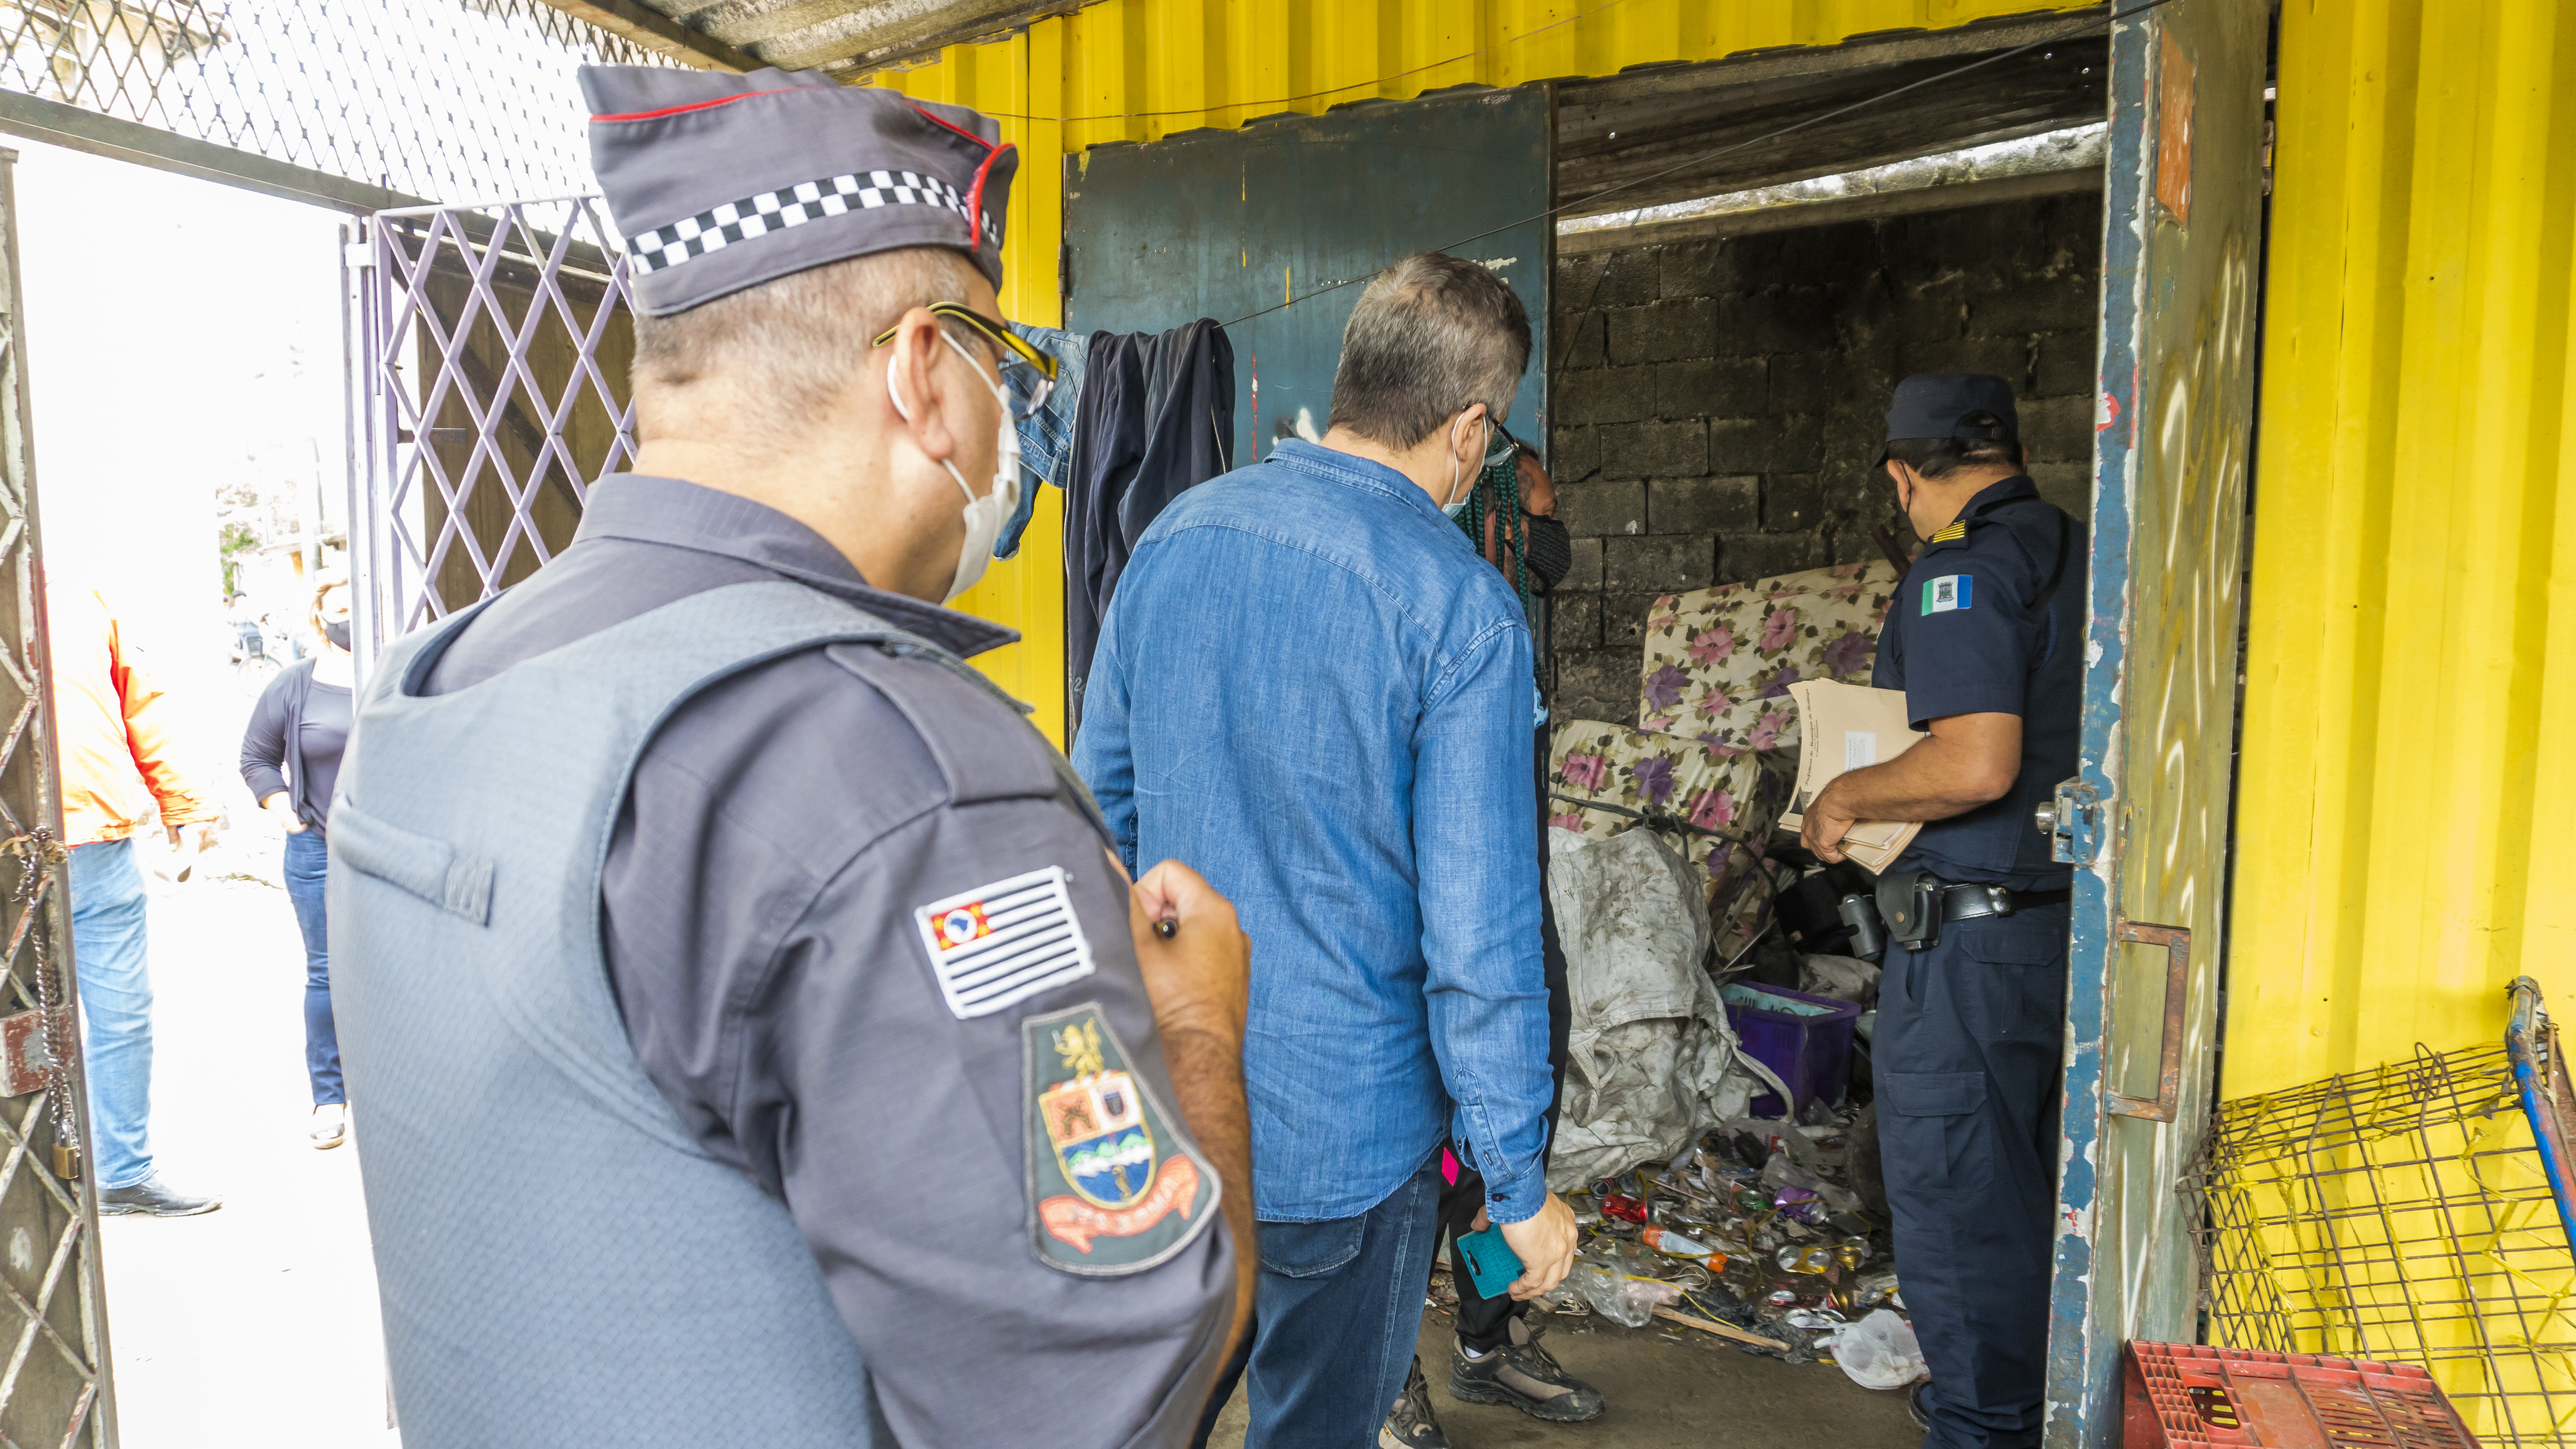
[[1666, 1390], [254, 1324]]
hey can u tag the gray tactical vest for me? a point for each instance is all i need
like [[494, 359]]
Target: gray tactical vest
[[559, 1263]]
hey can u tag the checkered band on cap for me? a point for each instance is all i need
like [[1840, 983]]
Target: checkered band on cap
[[755, 216]]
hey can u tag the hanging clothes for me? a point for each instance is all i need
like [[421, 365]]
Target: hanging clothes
[[1046, 436], [1155, 418]]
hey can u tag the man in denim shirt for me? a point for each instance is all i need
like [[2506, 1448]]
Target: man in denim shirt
[[1310, 688]]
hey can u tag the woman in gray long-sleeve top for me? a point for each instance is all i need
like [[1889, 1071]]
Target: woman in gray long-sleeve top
[[290, 757]]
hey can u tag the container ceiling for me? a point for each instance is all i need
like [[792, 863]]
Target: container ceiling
[[1611, 130], [843, 36], [1647, 127]]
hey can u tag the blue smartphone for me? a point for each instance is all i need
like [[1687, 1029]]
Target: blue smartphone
[[1491, 1264]]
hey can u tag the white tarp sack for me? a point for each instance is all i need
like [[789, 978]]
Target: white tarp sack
[[1652, 1061]]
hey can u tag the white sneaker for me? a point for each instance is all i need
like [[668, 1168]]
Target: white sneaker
[[330, 1125]]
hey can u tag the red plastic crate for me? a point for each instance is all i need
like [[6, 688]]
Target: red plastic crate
[[2181, 1394]]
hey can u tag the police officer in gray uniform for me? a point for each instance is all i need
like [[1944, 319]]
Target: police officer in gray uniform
[[1986, 639], [753, 1040]]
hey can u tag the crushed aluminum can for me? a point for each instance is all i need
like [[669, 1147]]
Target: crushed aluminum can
[[1618, 1205]]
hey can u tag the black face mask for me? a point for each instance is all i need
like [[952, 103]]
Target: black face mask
[[1551, 552], [337, 631]]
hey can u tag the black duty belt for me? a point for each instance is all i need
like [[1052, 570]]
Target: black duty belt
[[1915, 904], [1974, 902]]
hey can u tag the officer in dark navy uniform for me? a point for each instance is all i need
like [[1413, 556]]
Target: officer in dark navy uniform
[[1986, 639]]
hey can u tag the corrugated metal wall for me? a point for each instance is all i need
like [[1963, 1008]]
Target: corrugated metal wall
[[2406, 842], [2406, 827], [1139, 70]]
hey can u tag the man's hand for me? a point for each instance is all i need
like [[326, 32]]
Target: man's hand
[[191, 840], [281, 805], [1545, 1244], [1200, 981], [1965, 761], [1201, 978], [1826, 821]]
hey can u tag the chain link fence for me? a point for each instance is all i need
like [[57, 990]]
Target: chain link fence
[[448, 100]]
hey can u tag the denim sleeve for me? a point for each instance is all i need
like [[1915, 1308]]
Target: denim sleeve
[[1475, 828], [1104, 749]]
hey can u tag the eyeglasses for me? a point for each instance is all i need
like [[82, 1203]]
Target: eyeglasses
[[1028, 371]]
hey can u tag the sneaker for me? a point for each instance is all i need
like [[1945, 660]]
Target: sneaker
[[1523, 1375], [330, 1126], [1916, 1407], [153, 1198], [1411, 1424]]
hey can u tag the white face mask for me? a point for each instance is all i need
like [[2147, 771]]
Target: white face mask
[[1461, 500], [986, 512]]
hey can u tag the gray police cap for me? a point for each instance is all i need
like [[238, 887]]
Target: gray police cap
[[722, 182]]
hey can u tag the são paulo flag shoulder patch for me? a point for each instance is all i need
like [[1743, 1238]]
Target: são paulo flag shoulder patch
[[1001, 944]]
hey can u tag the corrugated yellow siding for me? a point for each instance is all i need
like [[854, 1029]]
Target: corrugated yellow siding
[[1139, 70], [2406, 826]]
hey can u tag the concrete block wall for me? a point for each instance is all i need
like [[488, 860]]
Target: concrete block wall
[[1715, 404]]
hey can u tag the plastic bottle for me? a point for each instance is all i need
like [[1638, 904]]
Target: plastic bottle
[[1673, 1245], [1614, 1295]]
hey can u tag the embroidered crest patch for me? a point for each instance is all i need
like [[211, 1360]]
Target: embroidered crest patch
[[1948, 592], [1112, 1187], [1005, 942]]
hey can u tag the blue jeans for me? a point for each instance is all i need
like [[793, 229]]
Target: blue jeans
[[110, 957], [1338, 1309], [308, 862]]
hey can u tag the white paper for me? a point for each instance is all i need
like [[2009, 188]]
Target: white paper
[[1860, 748]]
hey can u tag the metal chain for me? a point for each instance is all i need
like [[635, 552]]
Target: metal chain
[[39, 853]]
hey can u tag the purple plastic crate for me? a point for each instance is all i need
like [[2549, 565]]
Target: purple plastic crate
[[1806, 1039]]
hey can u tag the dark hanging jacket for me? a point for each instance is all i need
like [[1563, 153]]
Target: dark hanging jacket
[[1156, 418]]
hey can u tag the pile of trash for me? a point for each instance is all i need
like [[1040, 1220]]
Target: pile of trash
[[1753, 1234]]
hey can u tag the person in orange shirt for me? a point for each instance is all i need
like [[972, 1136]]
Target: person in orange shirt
[[112, 730]]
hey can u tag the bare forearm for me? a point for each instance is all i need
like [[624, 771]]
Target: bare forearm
[[1917, 785], [1207, 1075]]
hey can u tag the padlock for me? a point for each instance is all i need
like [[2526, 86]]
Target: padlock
[[67, 1162]]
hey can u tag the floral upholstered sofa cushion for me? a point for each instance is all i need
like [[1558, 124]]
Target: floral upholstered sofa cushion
[[1716, 807], [1719, 662]]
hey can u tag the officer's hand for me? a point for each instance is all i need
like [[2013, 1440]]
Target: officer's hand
[[1822, 828], [1200, 979], [1545, 1245]]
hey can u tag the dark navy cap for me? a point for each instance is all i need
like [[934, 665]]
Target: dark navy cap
[[722, 182], [1936, 404]]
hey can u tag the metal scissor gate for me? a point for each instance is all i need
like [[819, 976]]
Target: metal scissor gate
[[53, 1323], [490, 348]]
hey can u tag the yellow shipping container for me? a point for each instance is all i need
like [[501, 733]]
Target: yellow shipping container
[[2406, 826], [1140, 70]]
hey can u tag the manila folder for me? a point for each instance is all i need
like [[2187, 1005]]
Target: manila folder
[[1845, 727]]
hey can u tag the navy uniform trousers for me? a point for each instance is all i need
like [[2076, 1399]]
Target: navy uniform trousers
[[1965, 1060]]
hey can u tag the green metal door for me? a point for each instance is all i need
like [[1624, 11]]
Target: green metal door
[[2147, 821]]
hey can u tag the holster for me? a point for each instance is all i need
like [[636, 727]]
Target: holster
[[1909, 903]]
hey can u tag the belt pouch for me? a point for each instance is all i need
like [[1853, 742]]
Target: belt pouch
[[1909, 901]]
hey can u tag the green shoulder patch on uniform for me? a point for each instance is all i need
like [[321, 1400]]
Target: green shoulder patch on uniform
[[1112, 1187]]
